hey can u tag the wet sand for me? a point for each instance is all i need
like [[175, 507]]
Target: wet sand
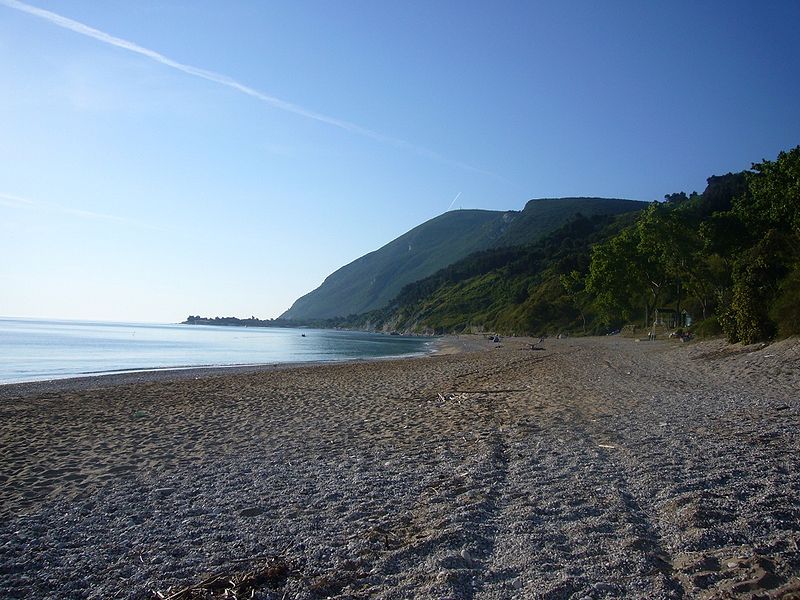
[[597, 467]]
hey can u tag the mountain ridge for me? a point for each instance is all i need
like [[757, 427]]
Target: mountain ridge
[[372, 281]]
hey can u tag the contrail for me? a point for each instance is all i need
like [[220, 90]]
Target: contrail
[[12, 201], [106, 38], [458, 195]]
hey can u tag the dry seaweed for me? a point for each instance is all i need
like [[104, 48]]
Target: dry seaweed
[[235, 585]]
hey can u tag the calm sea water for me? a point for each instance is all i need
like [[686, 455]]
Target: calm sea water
[[35, 350]]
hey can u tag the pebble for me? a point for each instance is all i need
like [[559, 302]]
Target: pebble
[[557, 526]]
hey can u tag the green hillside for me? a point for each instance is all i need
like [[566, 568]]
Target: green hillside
[[724, 261], [543, 215], [372, 281], [508, 290]]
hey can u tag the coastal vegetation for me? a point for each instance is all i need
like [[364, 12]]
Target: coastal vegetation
[[374, 280], [722, 262], [730, 256], [726, 261]]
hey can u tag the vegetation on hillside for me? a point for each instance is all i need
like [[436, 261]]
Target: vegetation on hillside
[[509, 290], [728, 258], [372, 281], [731, 255]]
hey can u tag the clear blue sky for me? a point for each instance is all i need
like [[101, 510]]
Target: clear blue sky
[[221, 158]]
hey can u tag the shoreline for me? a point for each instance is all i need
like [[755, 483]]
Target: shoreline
[[218, 362], [595, 466], [84, 381], [441, 345]]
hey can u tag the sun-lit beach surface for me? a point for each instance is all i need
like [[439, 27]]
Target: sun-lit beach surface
[[595, 467]]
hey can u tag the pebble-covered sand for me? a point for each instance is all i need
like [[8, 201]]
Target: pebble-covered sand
[[584, 468]]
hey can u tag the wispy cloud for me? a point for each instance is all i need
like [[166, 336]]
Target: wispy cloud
[[18, 202], [221, 79]]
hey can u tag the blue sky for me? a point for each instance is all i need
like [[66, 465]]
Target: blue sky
[[221, 158]]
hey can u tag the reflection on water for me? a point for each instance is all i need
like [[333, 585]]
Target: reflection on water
[[34, 350]]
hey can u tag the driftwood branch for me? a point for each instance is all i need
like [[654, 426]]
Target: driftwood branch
[[488, 391], [225, 584]]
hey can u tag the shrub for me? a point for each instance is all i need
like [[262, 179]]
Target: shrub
[[785, 310], [707, 328]]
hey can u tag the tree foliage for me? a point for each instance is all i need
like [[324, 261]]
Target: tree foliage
[[730, 255], [769, 210], [773, 194], [730, 251]]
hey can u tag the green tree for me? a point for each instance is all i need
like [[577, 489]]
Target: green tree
[[756, 279], [575, 289], [673, 234], [669, 241], [785, 310], [759, 302], [773, 198], [708, 277], [626, 273]]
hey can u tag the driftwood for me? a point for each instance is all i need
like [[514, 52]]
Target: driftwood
[[488, 391], [224, 584]]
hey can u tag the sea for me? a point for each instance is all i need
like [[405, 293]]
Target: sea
[[39, 350]]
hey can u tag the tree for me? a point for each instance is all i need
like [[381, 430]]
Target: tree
[[756, 280], [708, 277], [624, 273], [668, 241], [719, 194], [673, 235], [773, 198], [575, 288], [762, 273]]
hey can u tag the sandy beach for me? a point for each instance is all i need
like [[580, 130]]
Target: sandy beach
[[585, 468]]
